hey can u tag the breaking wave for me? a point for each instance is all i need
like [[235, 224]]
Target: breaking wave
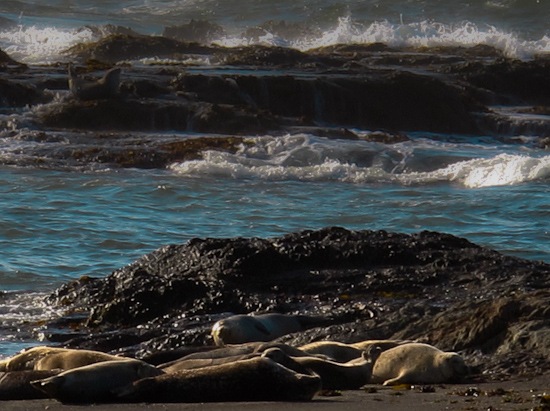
[[307, 158], [45, 45]]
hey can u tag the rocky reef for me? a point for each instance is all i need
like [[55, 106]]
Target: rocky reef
[[171, 84], [428, 286]]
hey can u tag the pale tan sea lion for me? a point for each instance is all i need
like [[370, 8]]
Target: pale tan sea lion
[[105, 87], [383, 344], [417, 363], [95, 383], [243, 328], [190, 364], [341, 352], [16, 385], [225, 351], [28, 358], [225, 355], [351, 375], [256, 379], [71, 358], [337, 351]]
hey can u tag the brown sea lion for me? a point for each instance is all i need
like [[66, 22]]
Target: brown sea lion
[[225, 355], [256, 379], [95, 383], [238, 329], [190, 364], [16, 385], [351, 375], [417, 363], [105, 87]]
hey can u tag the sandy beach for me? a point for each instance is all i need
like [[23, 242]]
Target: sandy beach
[[525, 394]]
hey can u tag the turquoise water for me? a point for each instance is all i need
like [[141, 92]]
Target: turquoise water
[[60, 225]]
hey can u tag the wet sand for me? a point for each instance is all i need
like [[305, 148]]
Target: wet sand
[[525, 394]]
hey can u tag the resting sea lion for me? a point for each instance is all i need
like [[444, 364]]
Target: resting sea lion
[[67, 360], [351, 375], [191, 364], [16, 385], [383, 344], [334, 350], [341, 352], [105, 87], [227, 354], [242, 328], [95, 383], [28, 358], [165, 356], [256, 379], [417, 363]]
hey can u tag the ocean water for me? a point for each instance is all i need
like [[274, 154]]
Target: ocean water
[[40, 31], [61, 222]]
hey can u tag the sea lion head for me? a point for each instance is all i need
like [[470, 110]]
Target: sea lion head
[[219, 332], [454, 366]]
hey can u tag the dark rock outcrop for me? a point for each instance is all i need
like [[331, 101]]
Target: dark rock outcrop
[[427, 286], [117, 47], [19, 94]]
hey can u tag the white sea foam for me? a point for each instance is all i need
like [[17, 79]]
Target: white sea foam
[[34, 45], [308, 158], [501, 170], [417, 34], [38, 45]]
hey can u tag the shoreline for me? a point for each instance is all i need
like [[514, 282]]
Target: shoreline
[[515, 394]]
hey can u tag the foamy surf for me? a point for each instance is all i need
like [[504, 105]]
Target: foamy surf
[[416, 34], [35, 45], [46, 45], [22, 315], [501, 170], [308, 158]]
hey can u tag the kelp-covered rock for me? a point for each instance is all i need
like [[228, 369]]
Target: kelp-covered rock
[[372, 284], [6, 60], [425, 103], [511, 81], [117, 47], [19, 94]]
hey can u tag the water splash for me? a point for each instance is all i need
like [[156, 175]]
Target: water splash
[[308, 158], [501, 170], [34, 45]]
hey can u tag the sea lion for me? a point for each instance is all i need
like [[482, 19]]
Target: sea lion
[[95, 383], [337, 351], [341, 352], [382, 344], [28, 358], [105, 87], [226, 355], [16, 385], [256, 379], [417, 363], [71, 358], [193, 363], [165, 356], [351, 375], [242, 328]]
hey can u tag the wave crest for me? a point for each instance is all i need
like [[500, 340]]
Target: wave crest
[[307, 158]]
